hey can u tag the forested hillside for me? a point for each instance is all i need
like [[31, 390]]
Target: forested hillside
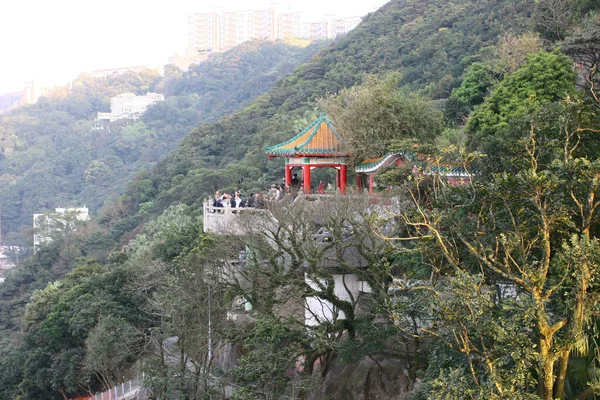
[[430, 42], [9, 101], [483, 290], [53, 154]]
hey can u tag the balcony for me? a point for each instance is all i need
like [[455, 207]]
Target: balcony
[[229, 221]]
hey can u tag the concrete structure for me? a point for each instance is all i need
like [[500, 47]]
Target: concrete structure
[[315, 310], [318, 311], [46, 225], [129, 106]]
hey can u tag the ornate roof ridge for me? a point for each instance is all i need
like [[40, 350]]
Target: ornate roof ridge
[[443, 168], [310, 132]]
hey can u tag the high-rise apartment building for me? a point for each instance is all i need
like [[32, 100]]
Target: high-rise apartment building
[[222, 30], [32, 92], [203, 32]]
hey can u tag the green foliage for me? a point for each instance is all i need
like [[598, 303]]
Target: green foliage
[[271, 356], [545, 77], [527, 229], [111, 347], [517, 100], [61, 326], [471, 92], [52, 153], [177, 270], [371, 116]]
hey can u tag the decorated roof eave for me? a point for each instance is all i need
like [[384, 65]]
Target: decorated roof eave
[[373, 166], [277, 151], [308, 154], [441, 169]]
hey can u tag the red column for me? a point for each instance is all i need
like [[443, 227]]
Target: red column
[[343, 177], [358, 182], [370, 183], [306, 178], [288, 175]]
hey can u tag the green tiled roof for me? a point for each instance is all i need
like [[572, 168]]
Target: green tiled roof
[[318, 139]]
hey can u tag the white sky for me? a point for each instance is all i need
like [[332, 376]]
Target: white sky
[[55, 40]]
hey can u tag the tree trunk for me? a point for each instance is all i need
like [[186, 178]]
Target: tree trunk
[[546, 379], [562, 374]]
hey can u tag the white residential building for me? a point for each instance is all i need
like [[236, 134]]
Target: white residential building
[[130, 106]]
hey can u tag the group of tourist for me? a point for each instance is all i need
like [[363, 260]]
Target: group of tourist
[[277, 192], [235, 200]]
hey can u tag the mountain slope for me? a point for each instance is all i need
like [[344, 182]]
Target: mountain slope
[[52, 154], [431, 43]]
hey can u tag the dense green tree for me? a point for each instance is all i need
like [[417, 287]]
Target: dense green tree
[[371, 116], [475, 86], [498, 124], [519, 253], [176, 269], [110, 347], [63, 325], [272, 351]]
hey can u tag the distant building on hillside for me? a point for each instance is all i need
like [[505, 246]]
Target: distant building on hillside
[[102, 73], [218, 30], [129, 106], [5, 262], [32, 92], [62, 220]]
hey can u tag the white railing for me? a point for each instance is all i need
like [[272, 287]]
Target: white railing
[[225, 219], [125, 391]]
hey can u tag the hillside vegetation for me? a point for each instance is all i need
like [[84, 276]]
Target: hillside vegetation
[[483, 290], [431, 43], [53, 154]]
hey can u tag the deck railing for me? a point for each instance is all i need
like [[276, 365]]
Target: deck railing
[[124, 391], [225, 219]]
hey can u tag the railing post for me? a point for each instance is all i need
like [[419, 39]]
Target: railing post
[[205, 213]]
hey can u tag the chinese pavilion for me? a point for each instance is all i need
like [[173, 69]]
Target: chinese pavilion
[[319, 145]]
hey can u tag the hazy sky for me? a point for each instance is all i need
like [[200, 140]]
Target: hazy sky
[[54, 41]]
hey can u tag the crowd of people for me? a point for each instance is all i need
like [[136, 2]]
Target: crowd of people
[[235, 200], [278, 192]]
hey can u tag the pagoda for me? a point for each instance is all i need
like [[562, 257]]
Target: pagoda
[[319, 145]]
